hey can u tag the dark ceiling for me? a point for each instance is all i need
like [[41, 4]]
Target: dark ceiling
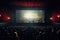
[[51, 3]]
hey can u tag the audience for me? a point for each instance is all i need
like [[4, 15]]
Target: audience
[[29, 33]]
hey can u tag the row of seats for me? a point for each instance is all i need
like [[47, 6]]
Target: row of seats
[[29, 33]]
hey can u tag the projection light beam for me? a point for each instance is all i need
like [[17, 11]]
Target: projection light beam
[[30, 16]]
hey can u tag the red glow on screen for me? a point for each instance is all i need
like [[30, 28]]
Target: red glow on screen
[[4, 17], [28, 4], [55, 16]]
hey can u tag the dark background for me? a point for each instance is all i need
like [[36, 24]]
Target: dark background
[[51, 5]]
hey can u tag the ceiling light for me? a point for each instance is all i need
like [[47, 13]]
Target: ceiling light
[[0, 15], [58, 16], [9, 18]]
